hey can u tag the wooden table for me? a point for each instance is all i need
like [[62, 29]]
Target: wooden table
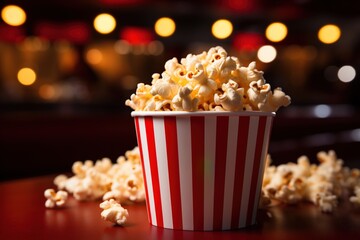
[[24, 216]]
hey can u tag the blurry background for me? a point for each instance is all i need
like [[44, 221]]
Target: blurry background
[[66, 68]]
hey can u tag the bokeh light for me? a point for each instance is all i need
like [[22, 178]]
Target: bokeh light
[[26, 76], [322, 111], [13, 15], [104, 23], [47, 92], [94, 56], [165, 27], [222, 28], [329, 34], [267, 54], [346, 73], [276, 32]]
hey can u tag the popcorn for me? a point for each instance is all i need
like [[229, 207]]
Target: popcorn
[[356, 199], [322, 184], [55, 199], [230, 100], [114, 212], [183, 100], [122, 181], [128, 184], [209, 81]]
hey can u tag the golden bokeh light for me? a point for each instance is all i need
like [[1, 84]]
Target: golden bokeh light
[[276, 32], [222, 28], [165, 27], [329, 34], [26, 76], [104, 23], [13, 15], [94, 56], [267, 54]]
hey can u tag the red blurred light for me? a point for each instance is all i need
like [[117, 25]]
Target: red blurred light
[[11, 34], [76, 32], [137, 35], [122, 2], [248, 41], [241, 5]]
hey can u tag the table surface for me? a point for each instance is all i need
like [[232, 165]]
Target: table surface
[[24, 216]]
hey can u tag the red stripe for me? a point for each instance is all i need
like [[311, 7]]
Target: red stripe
[[197, 155], [154, 169], [142, 164], [256, 167], [243, 132], [173, 166], [222, 125]]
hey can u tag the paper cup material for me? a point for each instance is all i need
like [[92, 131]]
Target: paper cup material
[[203, 170]]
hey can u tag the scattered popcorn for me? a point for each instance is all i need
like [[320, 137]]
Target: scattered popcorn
[[322, 184], [122, 181], [209, 81], [113, 212], [356, 199], [55, 199]]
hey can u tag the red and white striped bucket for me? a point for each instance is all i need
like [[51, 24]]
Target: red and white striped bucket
[[203, 170]]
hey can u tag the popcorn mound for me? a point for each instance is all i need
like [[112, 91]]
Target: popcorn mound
[[324, 184], [122, 181], [210, 81]]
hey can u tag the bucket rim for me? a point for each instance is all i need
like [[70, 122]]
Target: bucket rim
[[199, 113]]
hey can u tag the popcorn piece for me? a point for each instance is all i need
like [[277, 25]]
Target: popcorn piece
[[164, 87], [183, 101], [204, 87], [197, 84], [55, 199], [138, 101], [356, 199], [230, 100], [114, 212], [274, 100], [250, 73], [257, 92]]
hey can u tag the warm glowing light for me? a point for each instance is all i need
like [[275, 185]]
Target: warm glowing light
[[13, 15], [122, 47], [276, 32], [266, 53], [329, 34], [104, 23], [346, 73], [165, 27], [26, 76], [222, 28], [155, 48], [47, 92], [94, 56]]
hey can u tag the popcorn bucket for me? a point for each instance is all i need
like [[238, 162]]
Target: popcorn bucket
[[203, 170]]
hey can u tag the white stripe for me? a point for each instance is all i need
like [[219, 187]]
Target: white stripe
[[183, 128], [262, 166], [163, 172], [209, 171], [146, 160], [250, 152], [230, 171]]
